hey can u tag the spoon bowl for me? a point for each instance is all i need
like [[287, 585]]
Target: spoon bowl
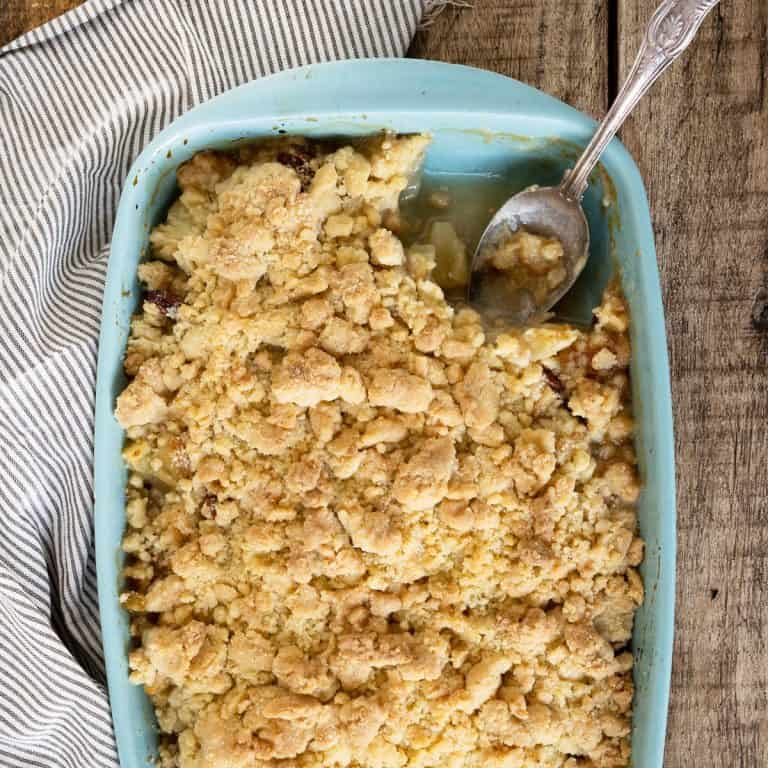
[[543, 211], [556, 212]]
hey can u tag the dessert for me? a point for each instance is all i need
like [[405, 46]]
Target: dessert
[[530, 263], [359, 532]]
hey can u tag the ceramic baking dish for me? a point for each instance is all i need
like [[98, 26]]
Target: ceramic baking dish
[[481, 123]]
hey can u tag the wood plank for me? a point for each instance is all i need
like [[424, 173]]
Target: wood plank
[[701, 140], [559, 47], [19, 16]]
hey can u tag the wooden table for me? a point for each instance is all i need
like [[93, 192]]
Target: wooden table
[[701, 140]]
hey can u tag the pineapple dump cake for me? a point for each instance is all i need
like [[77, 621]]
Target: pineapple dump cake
[[359, 532]]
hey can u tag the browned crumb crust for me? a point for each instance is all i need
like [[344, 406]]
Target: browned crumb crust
[[359, 532]]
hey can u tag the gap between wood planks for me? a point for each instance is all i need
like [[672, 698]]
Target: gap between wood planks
[[613, 51]]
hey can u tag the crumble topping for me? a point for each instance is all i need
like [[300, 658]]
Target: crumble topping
[[359, 532], [529, 262]]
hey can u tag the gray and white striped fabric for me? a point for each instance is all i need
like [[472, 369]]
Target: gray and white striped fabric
[[79, 98]]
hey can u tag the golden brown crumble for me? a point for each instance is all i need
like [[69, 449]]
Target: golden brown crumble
[[360, 533], [530, 263]]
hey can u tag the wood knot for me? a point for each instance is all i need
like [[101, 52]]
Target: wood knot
[[760, 311]]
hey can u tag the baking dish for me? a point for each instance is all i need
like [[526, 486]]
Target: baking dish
[[481, 123]]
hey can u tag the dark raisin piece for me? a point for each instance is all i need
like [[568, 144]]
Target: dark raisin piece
[[299, 159], [208, 507], [553, 380], [167, 302]]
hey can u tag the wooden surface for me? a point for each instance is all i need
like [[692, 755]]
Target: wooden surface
[[701, 140], [19, 16]]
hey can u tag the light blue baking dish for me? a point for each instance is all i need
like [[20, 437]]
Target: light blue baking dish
[[481, 123]]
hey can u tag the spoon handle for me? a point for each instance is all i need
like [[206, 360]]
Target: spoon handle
[[668, 34]]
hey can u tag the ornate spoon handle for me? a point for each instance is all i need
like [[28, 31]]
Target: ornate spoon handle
[[669, 33]]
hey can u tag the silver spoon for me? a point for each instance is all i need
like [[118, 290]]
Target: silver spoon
[[556, 212]]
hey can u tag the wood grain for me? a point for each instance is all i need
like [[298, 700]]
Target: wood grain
[[19, 16], [701, 140], [560, 47]]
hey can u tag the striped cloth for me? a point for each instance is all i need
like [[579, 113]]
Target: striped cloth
[[79, 98]]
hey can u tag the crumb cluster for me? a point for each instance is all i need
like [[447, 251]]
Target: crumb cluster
[[529, 262], [360, 533]]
